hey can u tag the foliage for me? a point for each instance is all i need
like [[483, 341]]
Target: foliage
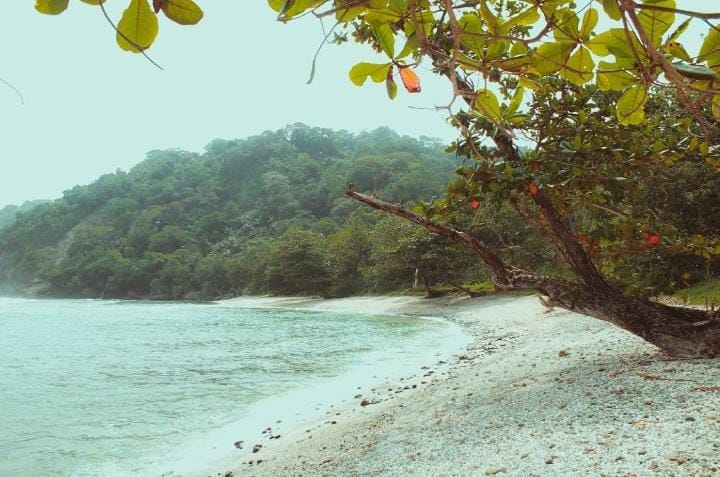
[[261, 215], [706, 293], [10, 212]]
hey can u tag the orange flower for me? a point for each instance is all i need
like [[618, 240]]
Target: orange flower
[[410, 80], [474, 203], [532, 188]]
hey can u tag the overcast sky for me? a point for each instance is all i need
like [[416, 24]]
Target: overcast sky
[[91, 108]]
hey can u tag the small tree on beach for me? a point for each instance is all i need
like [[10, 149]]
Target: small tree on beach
[[615, 99]]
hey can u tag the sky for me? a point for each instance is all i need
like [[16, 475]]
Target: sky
[[90, 108]]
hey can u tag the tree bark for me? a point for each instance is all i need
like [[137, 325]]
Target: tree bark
[[677, 331]]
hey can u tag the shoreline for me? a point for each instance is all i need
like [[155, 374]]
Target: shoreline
[[278, 419], [533, 393]]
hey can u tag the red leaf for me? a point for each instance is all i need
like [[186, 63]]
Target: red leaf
[[474, 203], [410, 80], [532, 188], [536, 166]]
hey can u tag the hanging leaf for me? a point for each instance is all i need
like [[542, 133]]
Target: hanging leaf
[[361, 71], [138, 27], [51, 7], [392, 89], [696, 72], [183, 12], [630, 106], [410, 80], [386, 38], [516, 101], [487, 103]]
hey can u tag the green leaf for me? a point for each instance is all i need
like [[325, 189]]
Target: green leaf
[[183, 12], [530, 84], [391, 86], [377, 71], [527, 18], [615, 41], [550, 57], [579, 68], [138, 27], [567, 28], [612, 9], [489, 18], [386, 38], [696, 72], [678, 51], [716, 106], [471, 26], [487, 104], [287, 9], [630, 106], [612, 77], [589, 22], [710, 50], [51, 7], [516, 102], [411, 45], [657, 22]]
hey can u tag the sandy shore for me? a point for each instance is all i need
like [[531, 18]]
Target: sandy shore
[[534, 393]]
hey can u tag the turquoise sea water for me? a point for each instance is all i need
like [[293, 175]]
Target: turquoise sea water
[[90, 388]]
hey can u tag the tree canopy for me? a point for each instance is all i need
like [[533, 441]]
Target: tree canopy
[[259, 215]]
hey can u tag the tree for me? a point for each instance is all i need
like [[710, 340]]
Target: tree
[[494, 53]]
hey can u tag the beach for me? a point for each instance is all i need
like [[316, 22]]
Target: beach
[[535, 392]]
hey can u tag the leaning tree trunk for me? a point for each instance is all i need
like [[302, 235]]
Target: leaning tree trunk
[[675, 330]]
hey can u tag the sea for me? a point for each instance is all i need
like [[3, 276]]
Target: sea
[[137, 388]]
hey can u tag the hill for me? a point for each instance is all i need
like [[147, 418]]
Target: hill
[[10, 212], [262, 214]]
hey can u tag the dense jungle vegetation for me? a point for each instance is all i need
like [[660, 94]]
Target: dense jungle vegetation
[[265, 214]]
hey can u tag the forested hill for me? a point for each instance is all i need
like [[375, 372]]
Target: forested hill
[[263, 214], [9, 212]]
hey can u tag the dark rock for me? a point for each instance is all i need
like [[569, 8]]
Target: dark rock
[[364, 403], [256, 448], [239, 444]]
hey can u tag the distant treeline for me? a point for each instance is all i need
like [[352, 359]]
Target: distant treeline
[[265, 214]]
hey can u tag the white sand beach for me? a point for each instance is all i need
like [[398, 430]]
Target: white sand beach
[[535, 393]]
